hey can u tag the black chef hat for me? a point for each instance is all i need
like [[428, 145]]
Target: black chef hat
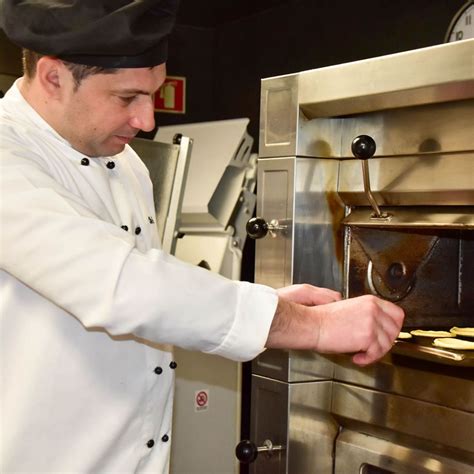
[[105, 33]]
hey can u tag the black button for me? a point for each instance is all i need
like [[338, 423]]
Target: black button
[[158, 370], [165, 438], [138, 230], [85, 162], [150, 443], [110, 165], [125, 227], [150, 220], [173, 365]]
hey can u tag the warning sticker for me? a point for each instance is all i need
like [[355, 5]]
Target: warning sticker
[[201, 400]]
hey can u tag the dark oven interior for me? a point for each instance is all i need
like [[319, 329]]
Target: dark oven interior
[[428, 272]]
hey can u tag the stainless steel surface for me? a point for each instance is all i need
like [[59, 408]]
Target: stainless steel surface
[[293, 366], [269, 420], [426, 217], [311, 428], [302, 193], [276, 182], [413, 412], [432, 383], [358, 453], [424, 180], [395, 417], [425, 130], [278, 119], [296, 416], [444, 74], [168, 165]]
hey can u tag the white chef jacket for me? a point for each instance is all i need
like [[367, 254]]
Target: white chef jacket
[[87, 308]]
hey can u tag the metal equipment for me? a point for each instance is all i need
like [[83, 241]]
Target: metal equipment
[[366, 185], [218, 199], [168, 164]]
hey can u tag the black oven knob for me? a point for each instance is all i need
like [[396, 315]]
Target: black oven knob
[[256, 228], [246, 451], [363, 147]]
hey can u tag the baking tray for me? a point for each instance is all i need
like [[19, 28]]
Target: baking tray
[[434, 354]]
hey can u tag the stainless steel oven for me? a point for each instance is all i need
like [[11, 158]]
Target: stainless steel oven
[[366, 185]]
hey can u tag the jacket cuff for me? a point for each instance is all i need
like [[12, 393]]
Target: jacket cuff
[[249, 332]]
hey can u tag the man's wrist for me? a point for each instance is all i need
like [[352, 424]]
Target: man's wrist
[[294, 326]]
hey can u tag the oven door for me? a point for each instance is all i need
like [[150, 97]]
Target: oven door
[[358, 453]]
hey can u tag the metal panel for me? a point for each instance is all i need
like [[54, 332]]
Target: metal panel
[[437, 74], [415, 382], [168, 166], [300, 113], [318, 236], [221, 152], [436, 180], [269, 420], [275, 201], [312, 430], [278, 116], [293, 366], [297, 417], [396, 417], [357, 453], [302, 194], [426, 129]]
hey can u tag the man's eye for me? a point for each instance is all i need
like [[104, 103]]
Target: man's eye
[[127, 99]]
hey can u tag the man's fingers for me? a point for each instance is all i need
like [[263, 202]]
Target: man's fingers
[[392, 310], [386, 333]]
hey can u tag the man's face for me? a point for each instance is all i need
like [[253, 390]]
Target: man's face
[[108, 110]]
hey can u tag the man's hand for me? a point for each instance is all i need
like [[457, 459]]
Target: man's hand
[[308, 295], [366, 325]]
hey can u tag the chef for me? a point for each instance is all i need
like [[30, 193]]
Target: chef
[[90, 305]]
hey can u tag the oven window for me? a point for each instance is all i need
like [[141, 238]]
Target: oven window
[[370, 469]]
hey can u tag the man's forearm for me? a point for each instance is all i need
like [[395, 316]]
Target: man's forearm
[[294, 326]]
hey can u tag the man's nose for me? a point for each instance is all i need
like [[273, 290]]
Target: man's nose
[[143, 116]]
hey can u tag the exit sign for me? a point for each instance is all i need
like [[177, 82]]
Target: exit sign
[[171, 96]]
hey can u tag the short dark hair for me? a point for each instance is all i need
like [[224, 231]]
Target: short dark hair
[[79, 71]]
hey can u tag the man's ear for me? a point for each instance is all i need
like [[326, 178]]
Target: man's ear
[[50, 75]]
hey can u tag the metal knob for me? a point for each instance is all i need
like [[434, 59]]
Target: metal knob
[[247, 452], [257, 227], [364, 147]]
